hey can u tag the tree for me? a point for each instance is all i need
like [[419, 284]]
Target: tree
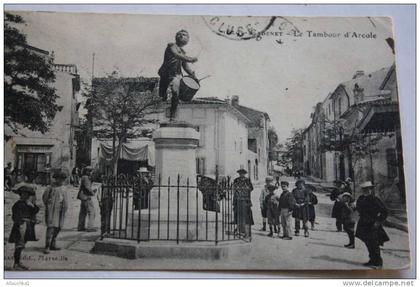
[[346, 138], [273, 139], [29, 97], [118, 107], [292, 158]]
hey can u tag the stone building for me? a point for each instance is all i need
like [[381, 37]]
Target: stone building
[[231, 137], [29, 151], [360, 134]]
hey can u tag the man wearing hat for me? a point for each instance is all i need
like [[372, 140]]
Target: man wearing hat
[[56, 204], [263, 207], [87, 208], [369, 229], [23, 230], [286, 205], [300, 212], [242, 188]]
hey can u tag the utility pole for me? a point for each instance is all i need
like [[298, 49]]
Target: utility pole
[[93, 66]]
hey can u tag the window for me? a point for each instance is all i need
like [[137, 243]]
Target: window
[[200, 165], [240, 146], [339, 106], [202, 131], [391, 163]]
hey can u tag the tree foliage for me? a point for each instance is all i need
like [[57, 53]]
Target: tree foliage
[[118, 107], [292, 157], [29, 97]]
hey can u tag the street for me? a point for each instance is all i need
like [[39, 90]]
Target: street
[[322, 250]]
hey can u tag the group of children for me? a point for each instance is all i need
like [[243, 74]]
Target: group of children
[[278, 209]]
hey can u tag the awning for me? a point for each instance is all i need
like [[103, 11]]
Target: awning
[[380, 118], [133, 151]]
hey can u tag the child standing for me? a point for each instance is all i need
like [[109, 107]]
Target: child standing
[[347, 211], [272, 203], [23, 230]]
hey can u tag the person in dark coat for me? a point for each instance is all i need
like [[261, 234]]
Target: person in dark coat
[[347, 212], [286, 205], [142, 190], [24, 219], [87, 208], [242, 188], [313, 200], [369, 229], [301, 212], [263, 206], [56, 204], [271, 202], [336, 210]]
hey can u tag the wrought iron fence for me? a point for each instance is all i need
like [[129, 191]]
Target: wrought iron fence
[[179, 210]]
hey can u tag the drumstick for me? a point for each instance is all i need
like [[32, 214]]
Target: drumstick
[[208, 76]]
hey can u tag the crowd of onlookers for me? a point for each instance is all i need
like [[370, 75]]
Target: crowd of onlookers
[[277, 210]]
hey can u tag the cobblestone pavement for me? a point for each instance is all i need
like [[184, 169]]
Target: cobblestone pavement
[[322, 250]]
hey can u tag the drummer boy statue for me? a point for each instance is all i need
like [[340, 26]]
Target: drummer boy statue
[[171, 73]]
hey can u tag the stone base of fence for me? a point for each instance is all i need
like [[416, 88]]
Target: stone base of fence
[[166, 249]]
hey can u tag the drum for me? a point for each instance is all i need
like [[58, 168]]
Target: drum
[[188, 87]]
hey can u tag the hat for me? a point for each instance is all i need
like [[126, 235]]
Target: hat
[[25, 189], [346, 194], [284, 183], [241, 171], [299, 181], [367, 184], [348, 179], [88, 167], [143, 169], [271, 186], [269, 179], [60, 175]]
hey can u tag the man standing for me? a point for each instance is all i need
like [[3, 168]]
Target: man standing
[[300, 212], [175, 59], [86, 204], [263, 207], [143, 186], [56, 204], [242, 188], [286, 205], [338, 205], [369, 227]]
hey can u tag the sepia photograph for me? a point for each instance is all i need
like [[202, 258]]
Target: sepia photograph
[[202, 142]]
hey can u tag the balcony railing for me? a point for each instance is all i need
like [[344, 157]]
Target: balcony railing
[[72, 69]]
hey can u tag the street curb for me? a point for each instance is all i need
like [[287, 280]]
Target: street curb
[[192, 250], [396, 225]]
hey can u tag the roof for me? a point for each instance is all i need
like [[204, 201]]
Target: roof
[[253, 115], [388, 76], [370, 83]]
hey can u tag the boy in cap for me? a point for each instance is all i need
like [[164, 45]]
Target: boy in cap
[[347, 217], [263, 206], [300, 212], [286, 205], [175, 59], [272, 204], [23, 230]]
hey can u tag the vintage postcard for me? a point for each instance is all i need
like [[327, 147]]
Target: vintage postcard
[[150, 142]]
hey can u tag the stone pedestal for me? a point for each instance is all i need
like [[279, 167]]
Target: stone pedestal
[[177, 206]]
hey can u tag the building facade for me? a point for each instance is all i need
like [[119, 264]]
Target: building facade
[[31, 152], [355, 132], [231, 137]]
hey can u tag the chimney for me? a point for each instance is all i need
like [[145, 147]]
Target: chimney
[[235, 100], [358, 74]]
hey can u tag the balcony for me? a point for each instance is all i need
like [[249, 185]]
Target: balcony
[[72, 69]]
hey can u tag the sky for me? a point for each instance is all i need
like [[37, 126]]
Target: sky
[[285, 80]]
